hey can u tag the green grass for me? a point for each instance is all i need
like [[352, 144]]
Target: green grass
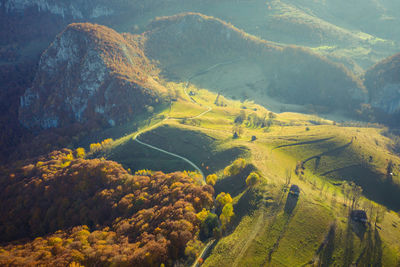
[[262, 233], [205, 151]]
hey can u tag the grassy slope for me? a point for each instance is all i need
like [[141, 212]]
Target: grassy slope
[[309, 22], [271, 232], [329, 35]]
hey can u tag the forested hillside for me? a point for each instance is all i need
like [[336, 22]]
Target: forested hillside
[[143, 219]]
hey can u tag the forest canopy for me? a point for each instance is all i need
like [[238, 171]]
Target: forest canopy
[[94, 212]]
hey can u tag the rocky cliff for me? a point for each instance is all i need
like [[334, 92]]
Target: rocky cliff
[[74, 8], [383, 84], [89, 72]]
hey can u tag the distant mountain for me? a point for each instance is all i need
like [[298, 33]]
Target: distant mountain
[[92, 73], [383, 84], [184, 44], [40, 20], [89, 72], [74, 8], [379, 17]]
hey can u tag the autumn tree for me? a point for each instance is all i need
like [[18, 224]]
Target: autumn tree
[[223, 199], [226, 215], [202, 215], [80, 152], [235, 168], [208, 226], [147, 218], [211, 179], [106, 142], [192, 250], [95, 147], [252, 179]]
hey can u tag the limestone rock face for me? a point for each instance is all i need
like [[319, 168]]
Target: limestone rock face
[[77, 9], [89, 72], [383, 84]]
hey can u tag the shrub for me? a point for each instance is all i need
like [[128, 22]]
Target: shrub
[[252, 179], [208, 226], [226, 215], [80, 152], [211, 179], [234, 169], [223, 199]]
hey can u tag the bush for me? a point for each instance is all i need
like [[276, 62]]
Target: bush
[[211, 179], [252, 179], [80, 152], [240, 118], [234, 169], [223, 199], [208, 225], [226, 215]]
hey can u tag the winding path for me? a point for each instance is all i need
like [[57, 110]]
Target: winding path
[[329, 151], [135, 138], [305, 142], [171, 154], [203, 253]]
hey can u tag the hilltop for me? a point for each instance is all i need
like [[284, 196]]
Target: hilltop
[[184, 44], [89, 73]]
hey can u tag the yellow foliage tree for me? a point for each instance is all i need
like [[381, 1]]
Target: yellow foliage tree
[[226, 215], [74, 264], [223, 199], [106, 142], [240, 163], [211, 179], [235, 167], [252, 179], [202, 215], [95, 147], [80, 152]]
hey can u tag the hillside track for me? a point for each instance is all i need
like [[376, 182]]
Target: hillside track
[[305, 143], [258, 227], [287, 220], [331, 151], [136, 137]]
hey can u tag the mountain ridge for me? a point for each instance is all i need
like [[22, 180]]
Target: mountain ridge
[[89, 72], [204, 40]]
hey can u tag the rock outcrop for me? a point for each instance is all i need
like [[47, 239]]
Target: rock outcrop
[[77, 9], [89, 72], [383, 84]]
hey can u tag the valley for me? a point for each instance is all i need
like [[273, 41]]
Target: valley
[[276, 151], [199, 133]]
